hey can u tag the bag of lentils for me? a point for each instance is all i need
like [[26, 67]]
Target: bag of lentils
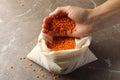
[[62, 55]]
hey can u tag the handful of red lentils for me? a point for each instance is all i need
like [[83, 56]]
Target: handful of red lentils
[[61, 25]]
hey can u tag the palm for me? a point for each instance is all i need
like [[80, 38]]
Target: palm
[[77, 14]]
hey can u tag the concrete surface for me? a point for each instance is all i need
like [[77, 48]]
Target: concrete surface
[[20, 24]]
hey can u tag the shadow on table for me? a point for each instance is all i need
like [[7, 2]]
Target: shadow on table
[[107, 67]]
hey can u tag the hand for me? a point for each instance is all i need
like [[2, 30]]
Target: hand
[[80, 16]]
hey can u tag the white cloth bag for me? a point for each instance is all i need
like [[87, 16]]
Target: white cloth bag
[[62, 61]]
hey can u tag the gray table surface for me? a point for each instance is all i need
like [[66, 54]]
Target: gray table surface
[[20, 25]]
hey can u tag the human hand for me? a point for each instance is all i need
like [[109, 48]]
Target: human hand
[[78, 15]]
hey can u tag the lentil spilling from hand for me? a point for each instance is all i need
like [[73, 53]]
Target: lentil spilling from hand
[[61, 43], [61, 25]]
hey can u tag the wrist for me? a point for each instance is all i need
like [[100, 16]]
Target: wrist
[[95, 19], [105, 15]]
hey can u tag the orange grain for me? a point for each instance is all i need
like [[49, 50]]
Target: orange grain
[[62, 25], [61, 43]]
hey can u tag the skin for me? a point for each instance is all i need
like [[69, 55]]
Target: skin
[[87, 20]]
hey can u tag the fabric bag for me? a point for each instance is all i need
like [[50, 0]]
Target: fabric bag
[[62, 61]]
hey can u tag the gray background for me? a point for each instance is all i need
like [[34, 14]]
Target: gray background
[[20, 25]]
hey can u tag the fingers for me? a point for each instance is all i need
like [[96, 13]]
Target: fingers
[[59, 10], [79, 34], [62, 11], [55, 12], [48, 38], [47, 20], [46, 24]]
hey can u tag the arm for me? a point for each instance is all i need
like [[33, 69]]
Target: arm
[[88, 20], [106, 15]]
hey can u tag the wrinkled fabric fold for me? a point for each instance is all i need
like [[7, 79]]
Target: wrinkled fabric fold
[[62, 61]]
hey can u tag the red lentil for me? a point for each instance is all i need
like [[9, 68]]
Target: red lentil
[[33, 69], [30, 64], [44, 76], [40, 69], [11, 67], [61, 43], [21, 58], [37, 76], [22, 5], [60, 25], [24, 58], [24, 67]]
